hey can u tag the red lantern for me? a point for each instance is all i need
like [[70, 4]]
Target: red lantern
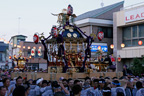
[[36, 38], [140, 42], [39, 52], [119, 59], [100, 35], [113, 59], [70, 10], [32, 52], [54, 32]]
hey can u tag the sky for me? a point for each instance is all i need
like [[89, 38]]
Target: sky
[[26, 17]]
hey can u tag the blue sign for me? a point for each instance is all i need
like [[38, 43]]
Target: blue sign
[[94, 48]]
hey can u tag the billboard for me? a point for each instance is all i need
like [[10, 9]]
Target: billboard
[[94, 48], [134, 15]]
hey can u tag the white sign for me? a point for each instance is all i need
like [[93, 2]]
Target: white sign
[[134, 15]]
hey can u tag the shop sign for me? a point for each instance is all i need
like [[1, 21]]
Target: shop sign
[[134, 15], [94, 48]]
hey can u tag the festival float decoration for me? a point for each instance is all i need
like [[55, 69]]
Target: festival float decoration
[[19, 61], [67, 46], [100, 35]]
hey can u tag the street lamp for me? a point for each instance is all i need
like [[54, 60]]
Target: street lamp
[[111, 46], [140, 42], [122, 45], [39, 47], [23, 47], [28, 47], [99, 47]]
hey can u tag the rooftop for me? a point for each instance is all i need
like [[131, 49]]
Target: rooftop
[[98, 12]]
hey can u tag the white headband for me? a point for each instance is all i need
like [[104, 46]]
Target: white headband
[[106, 90], [39, 80]]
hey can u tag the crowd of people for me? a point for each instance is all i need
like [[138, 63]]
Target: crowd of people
[[127, 85], [102, 86]]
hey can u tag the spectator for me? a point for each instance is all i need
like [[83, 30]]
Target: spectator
[[140, 89], [99, 90], [70, 85], [91, 90], [6, 83], [77, 82], [2, 91], [139, 85], [19, 91], [107, 91], [116, 89], [59, 88], [76, 89], [88, 80], [126, 71], [129, 89], [59, 94], [18, 83], [27, 89], [44, 83], [30, 81], [39, 85], [64, 81]]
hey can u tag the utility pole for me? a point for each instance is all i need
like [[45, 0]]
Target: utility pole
[[19, 25]]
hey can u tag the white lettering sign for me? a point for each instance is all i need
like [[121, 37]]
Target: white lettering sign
[[134, 15]]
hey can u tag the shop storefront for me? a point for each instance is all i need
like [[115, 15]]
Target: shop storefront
[[128, 29]]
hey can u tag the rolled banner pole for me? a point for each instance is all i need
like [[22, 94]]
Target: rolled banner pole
[[35, 75], [32, 75]]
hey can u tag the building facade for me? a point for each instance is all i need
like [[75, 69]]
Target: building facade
[[36, 61], [3, 54], [98, 20], [14, 46], [128, 28]]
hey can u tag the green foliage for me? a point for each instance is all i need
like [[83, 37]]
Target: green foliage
[[137, 67]]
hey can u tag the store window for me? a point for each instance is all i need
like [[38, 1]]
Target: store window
[[29, 53], [108, 31], [134, 31], [33, 66], [127, 33], [132, 34], [141, 30]]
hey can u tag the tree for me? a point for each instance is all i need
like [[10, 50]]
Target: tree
[[137, 67], [143, 64]]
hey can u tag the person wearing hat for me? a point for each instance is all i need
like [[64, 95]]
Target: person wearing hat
[[107, 91], [99, 90], [39, 84], [44, 86], [116, 89]]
